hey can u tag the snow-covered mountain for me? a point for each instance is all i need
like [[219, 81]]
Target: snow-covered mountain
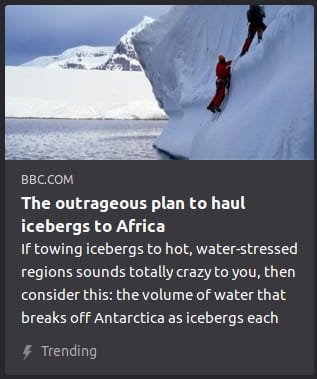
[[80, 57], [270, 109], [122, 91], [124, 57]]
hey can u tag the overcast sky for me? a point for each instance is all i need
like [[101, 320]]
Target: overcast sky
[[37, 30]]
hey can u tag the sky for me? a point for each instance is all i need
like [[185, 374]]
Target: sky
[[36, 30]]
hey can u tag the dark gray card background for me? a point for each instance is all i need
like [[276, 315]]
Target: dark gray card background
[[280, 201]]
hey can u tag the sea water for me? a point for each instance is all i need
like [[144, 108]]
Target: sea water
[[50, 139]]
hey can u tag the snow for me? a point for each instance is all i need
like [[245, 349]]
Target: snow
[[34, 92], [137, 29], [124, 56], [87, 56], [270, 109], [41, 89]]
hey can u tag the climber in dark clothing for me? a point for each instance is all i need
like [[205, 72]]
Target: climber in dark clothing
[[255, 16], [223, 81]]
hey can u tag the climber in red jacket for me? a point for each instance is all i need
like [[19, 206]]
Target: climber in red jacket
[[223, 81]]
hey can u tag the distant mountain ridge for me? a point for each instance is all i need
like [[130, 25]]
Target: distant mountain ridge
[[122, 57], [80, 57]]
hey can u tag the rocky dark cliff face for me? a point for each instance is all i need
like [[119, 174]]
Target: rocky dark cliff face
[[124, 58], [73, 66]]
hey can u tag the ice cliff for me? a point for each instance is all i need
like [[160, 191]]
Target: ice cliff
[[270, 109]]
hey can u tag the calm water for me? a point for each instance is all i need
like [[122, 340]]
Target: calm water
[[82, 139]]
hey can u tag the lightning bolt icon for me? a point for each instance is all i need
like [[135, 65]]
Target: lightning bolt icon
[[27, 351]]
